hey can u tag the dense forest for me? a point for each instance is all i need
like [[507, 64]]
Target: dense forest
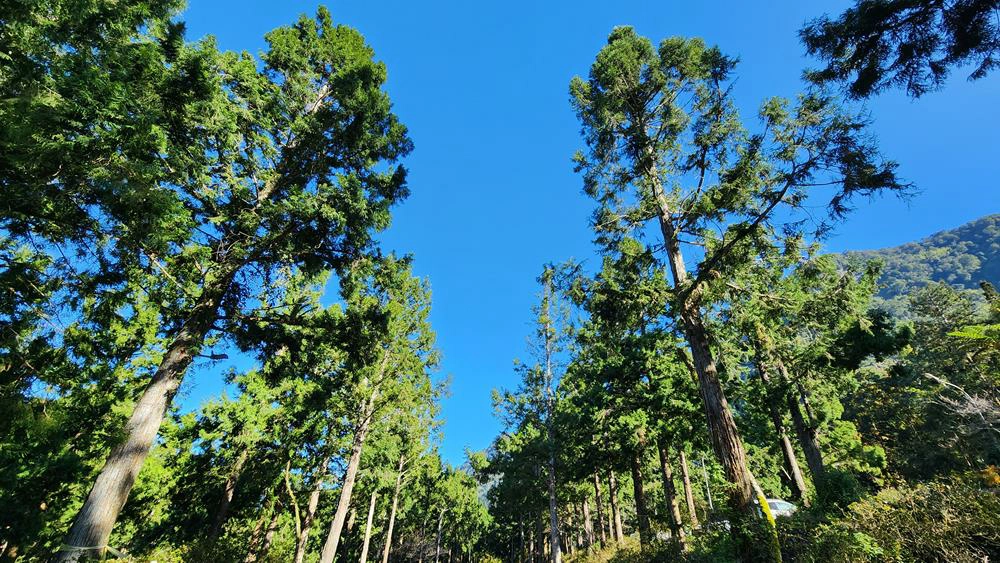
[[715, 388]]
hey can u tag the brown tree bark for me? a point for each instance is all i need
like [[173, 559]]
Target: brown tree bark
[[722, 428], [588, 525], [600, 510], [688, 491], [303, 524], [787, 451], [805, 431], [615, 509], [392, 510], [670, 495], [256, 536], [91, 528], [641, 511], [368, 527]]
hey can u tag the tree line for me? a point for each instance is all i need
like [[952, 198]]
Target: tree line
[[167, 204], [716, 359]]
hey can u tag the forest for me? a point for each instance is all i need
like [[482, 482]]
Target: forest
[[716, 387]]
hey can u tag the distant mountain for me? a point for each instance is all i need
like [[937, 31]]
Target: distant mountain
[[962, 257]]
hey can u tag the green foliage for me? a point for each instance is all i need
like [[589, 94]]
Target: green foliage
[[947, 520], [880, 44], [961, 257]]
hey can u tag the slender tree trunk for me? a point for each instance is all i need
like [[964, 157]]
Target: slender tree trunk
[[787, 451], [227, 496], [600, 509], [688, 492], [641, 511], [91, 528], [549, 429], [615, 509], [539, 540], [258, 554], [670, 494], [805, 431], [588, 526], [368, 527], [437, 542], [392, 511], [258, 531], [304, 527], [350, 475], [722, 428]]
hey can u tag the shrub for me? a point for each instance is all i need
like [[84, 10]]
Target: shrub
[[953, 520]]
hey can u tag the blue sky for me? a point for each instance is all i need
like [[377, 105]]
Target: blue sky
[[483, 88]]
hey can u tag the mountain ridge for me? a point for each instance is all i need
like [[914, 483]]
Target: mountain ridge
[[963, 257]]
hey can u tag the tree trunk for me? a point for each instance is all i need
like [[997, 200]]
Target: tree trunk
[[260, 554], [368, 527], [688, 492], [227, 496], [437, 542], [787, 451], [641, 512], [615, 509], [304, 527], [670, 494], [600, 509], [588, 526], [805, 431], [91, 528], [347, 488], [258, 531], [392, 511], [724, 435], [550, 432]]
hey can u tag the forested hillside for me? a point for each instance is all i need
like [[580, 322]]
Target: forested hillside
[[962, 257]]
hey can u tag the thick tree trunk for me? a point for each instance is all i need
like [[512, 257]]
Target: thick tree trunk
[[392, 511], [722, 428], [670, 494], [641, 511], [588, 525], [600, 510], [88, 536], [350, 475], [368, 527], [688, 492], [615, 509]]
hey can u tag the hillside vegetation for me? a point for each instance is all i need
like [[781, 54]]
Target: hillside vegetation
[[962, 257]]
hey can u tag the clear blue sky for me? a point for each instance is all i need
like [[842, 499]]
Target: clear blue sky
[[483, 88]]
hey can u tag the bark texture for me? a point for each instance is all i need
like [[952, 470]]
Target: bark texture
[[615, 509], [347, 487], [670, 495], [641, 508], [600, 510], [688, 492], [91, 528]]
